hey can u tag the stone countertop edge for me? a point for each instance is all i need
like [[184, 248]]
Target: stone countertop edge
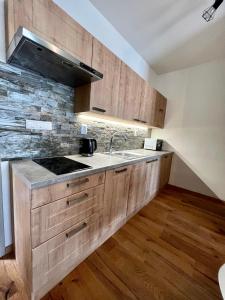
[[25, 169]]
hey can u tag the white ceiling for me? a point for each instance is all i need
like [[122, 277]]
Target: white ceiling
[[169, 34]]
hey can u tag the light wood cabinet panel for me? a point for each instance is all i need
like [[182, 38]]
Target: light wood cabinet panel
[[61, 254], [51, 219], [116, 195], [158, 110], [129, 93], [60, 29], [165, 166], [136, 197], [57, 191], [105, 93], [148, 103], [46, 19], [152, 179]]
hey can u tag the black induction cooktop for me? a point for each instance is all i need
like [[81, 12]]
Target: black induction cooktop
[[61, 165]]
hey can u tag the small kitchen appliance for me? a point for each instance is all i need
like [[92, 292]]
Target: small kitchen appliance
[[153, 144], [88, 146]]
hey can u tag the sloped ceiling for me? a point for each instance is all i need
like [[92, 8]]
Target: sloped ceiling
[[169, 34]]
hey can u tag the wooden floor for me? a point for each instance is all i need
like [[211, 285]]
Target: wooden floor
[[172, 249]]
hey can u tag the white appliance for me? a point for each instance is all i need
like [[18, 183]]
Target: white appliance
[[6, 230], [153, 144]]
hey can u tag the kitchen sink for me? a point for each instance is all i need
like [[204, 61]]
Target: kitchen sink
[[124, 155]]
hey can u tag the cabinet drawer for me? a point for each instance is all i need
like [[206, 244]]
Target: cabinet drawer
[[51, 219], [57, 191], [54, 259]]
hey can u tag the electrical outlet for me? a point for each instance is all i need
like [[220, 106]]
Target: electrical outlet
[[83, 129]]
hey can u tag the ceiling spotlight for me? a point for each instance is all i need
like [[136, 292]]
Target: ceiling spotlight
[[210, 12]]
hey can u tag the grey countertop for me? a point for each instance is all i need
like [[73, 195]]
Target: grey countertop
[[36, 176]]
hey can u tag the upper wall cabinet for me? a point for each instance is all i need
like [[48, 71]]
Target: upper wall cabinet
[[152, 106], [105, 93], [101, 96], [129, 93], [47, 20]]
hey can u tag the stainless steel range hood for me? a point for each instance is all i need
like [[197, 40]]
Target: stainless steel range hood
[[30, 52]]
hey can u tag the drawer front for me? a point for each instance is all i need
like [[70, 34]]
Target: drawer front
[[54, 192], [49, 220], [54, 259]]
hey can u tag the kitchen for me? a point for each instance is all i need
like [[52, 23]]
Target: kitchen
[[100, 116]]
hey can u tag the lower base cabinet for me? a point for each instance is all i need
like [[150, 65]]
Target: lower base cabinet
[[165, 166], [152, 179], [116, 196], [58, 226], [137, 187]]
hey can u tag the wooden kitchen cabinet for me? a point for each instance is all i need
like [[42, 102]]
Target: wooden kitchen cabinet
[[152, 179], [46, 19], [101, 96], [158, 110], [165, 167], [129, 93], [137, 184], [152, 106], [116, 196], [57, 230]]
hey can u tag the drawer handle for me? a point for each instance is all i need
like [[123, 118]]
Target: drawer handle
[[161, 110], [137, 120], [76, 200], [150, 161], [121, 171], [166, 156], [76, 230], [73, 184], [99, 109]]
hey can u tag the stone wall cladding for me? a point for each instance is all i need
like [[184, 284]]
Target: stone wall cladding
[[24, 95]]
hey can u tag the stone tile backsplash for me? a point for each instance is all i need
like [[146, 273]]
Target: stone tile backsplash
[[27, 96]]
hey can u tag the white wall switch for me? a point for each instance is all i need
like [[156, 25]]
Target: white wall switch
[[38, 125], [83, 129]]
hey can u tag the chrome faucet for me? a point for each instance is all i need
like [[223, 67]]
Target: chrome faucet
[[112, 137]]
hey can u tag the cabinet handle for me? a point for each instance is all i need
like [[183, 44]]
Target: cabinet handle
[[161, 110], [73, 184], [143, 122], [121, 171], [165, 156], [75, 230], [150, 161], [76, 200], [137, 120], [99, 109]]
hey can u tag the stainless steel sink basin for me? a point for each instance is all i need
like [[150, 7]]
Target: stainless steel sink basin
[[124, 155]]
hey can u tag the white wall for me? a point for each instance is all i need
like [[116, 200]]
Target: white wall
[[2, 31], [84, 12], [195, 126]]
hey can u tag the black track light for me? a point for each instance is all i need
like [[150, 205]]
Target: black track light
[[210, 12]]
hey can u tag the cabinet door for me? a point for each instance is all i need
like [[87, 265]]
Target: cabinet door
[[129, 93], [165, 166], [51, 22], [159, 109], [116, 195], [105, 93], [137, 187], [18, 13], [152, 180], [148, 104]]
